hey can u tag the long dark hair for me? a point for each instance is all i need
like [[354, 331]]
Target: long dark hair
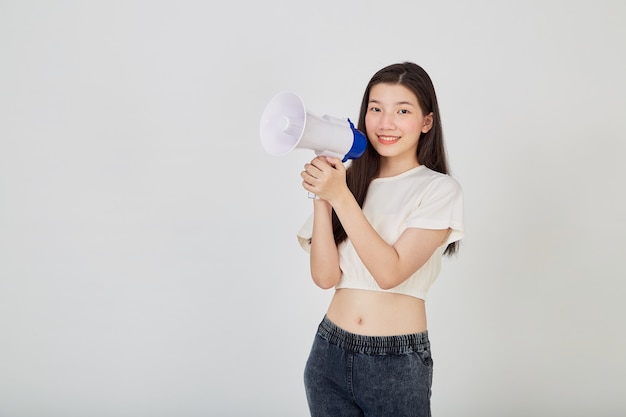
[[430, 149]]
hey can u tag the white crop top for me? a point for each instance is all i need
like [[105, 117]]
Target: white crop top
[[419, 198]]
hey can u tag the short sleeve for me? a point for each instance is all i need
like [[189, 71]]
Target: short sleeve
[[305, 233], [441, 207]]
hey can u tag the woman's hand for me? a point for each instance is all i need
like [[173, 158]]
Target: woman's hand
[[325, 176]]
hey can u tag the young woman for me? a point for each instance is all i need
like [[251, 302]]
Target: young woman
[[377, 235]]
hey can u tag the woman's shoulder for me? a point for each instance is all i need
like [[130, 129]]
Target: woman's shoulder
[[434, 179], [414, 188]]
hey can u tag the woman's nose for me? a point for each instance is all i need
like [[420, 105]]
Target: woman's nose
[[387, 121]]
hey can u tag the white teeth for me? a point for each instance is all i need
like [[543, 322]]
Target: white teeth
[[388, 138]]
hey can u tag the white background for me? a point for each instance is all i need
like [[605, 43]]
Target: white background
[[148, 259]]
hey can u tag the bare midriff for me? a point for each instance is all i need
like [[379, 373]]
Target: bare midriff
[[376, 313]]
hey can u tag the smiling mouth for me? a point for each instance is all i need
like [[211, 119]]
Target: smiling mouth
[[387, 140]]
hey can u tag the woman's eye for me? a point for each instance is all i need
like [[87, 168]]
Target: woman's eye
[[374, 109], [403, 111]]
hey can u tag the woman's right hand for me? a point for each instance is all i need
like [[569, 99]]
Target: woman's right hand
[[325, 177]]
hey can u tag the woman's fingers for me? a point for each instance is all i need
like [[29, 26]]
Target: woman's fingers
[[307, 177], [323, 175]]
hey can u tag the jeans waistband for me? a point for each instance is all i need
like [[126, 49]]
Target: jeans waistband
[[373, 345]]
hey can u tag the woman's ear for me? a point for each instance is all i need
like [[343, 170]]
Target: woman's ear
[[428, 122]]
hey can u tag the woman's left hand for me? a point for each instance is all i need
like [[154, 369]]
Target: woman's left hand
[[325, 176]]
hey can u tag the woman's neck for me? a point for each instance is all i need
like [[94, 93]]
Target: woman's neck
[[392, 167]]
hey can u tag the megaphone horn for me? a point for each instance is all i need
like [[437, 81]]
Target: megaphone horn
[[286, 125]]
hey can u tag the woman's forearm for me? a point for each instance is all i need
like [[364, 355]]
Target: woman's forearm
[[378, 256], [325, 269], [389, 264]]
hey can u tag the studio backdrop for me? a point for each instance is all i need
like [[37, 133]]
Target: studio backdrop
[[149, 264]]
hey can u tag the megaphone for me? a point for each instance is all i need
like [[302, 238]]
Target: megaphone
[[286, 125]]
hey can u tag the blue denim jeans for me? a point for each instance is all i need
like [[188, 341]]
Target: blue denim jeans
[[368, 376]]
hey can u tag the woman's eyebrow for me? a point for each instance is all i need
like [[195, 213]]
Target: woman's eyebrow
[[398, 103]]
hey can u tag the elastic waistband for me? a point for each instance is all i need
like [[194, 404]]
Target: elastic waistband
[[373, 345]]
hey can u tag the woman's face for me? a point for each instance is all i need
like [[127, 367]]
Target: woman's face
[[394, 122]]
